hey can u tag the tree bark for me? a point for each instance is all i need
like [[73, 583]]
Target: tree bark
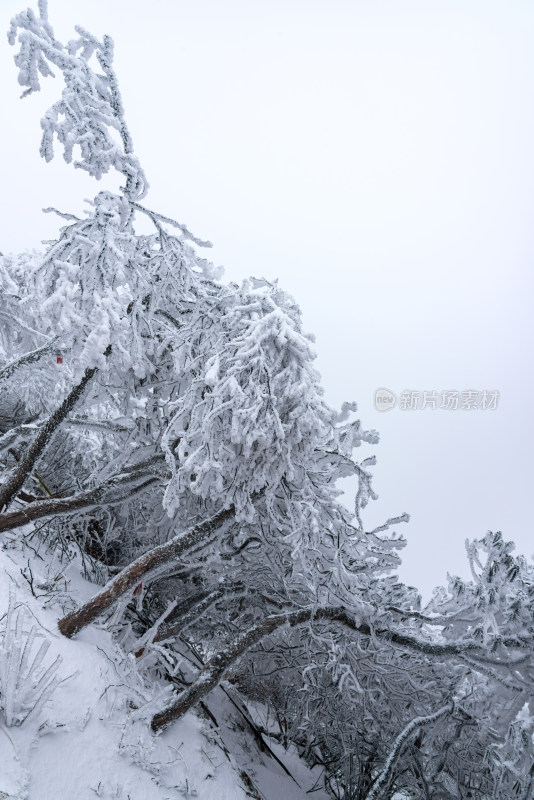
[[131, 575], [10, 488]]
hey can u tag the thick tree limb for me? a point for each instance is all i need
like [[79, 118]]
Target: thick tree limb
[[131, 575], [66, 505], [10, 488], [215, 668]]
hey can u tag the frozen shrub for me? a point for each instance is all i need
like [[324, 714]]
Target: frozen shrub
[[26, 682]]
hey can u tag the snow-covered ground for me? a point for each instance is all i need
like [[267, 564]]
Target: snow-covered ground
[[91, 737]]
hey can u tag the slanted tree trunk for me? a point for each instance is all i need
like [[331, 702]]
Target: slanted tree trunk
[[10, 488], [214, 669], [134, 573]]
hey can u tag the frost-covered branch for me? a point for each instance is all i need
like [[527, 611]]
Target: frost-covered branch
[[131, 575], [10, 488], [215, 668], [28, 358], [21, 324], [159, 218], [104, 493], [90, 107], [413, 726], [100, 425]]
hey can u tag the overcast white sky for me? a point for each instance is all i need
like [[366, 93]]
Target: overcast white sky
[[377, 157]]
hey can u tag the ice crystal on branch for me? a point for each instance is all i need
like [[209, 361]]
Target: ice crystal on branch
[[89, 114]]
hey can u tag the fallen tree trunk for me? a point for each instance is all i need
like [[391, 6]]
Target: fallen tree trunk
[[134, 573]]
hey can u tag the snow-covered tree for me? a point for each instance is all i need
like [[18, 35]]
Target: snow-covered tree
[[182, 444]]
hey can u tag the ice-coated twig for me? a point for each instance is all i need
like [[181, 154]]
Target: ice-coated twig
[[400, 741]]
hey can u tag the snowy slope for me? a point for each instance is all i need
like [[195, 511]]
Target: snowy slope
[[91, 738]]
